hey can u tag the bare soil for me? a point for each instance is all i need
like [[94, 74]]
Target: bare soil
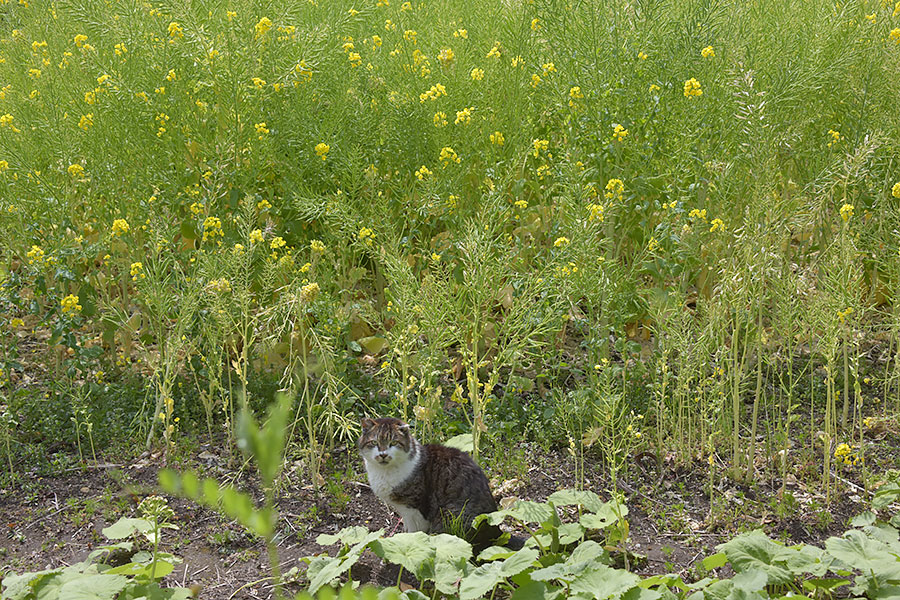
[[51, 522]]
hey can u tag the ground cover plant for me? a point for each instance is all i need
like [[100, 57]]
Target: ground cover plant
[[642, 232]]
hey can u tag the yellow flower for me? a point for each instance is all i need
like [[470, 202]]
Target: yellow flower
[[264, 204], [477, 74], [596, 212], [835, 137], [895, 191], [692, 88], [435, 257], [262, 26], [80, 39], [258, 82], [137, 271], [539, 145], [653, 88], [446, 56], [355, 59], [498, 140], [75, 170], [322, 150], [517, 61], [422, 173], [653, 244], [521, 204], [212, 227], [642, 55], [34, 73], [448, 155], [366, 235], [535, 24], [261, 129], [561, 241], [461, 33], [70, 304], [376, 41], [3, 166], [708, 52], [440, 119], [464, 116], [697, 213], [717, 225], [175, 30], [548, 68], [120, 49], [317, 247], [256, 236], [895, 34], [406, 6], [535, 80], [309, 292], [614, 189], [277, 242], [16, 323], [86, 121], [410, 35], [846, 212], [494, 51], [619, 132], [35, 255]]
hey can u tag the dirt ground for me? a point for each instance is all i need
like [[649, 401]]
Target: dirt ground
[[57, 521]]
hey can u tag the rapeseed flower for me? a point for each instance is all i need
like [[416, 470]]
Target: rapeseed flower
[[446, 56], [212, 227], [317, 247], [835, 137], [477, 74], [619, 132], [70, 304], [895, 191], [535, 24], [262, 26], [846, 212], [547, 68], [539, 145], [4, 166], [35, 255], [261, 129], [708, 52], [422, 173], [258, 82], [175, 30], [80, 39], [75, 170], [440, 119], [895, 34], [277, 243], [692, 88], [366, 235], [137, 271], [256, 236], [322, 150], [309, 292], [498, 140], [120, 227], [494, 51], [448, 155], [561, 241], [717, 225], [464, 116], [615, 188]]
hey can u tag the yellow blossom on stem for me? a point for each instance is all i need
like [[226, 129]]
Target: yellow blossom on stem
[[262, 26], [35, 255], [619, 132], [708, 52], [561, 241], [477, 74], [846, 212], [422, 173], [835, 137], [120, 227], [309, 292], [256, 236], [498, 140], [322, 150], [76, 170], [448, 155], [317, 247], [614, 189], [137, 271], [70, 304], [277, 243], [895, 191], [692, 88], [717, 225]]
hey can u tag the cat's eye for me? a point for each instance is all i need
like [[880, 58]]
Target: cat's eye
[[371, 444], [395, 444]]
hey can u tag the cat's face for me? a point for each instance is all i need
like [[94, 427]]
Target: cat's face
[[385, 441]]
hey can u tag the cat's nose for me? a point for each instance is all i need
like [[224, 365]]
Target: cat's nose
[[382, 457]]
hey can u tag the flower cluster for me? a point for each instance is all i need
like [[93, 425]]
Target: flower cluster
[[615, 188], [846, 455], [692, 88], [70, 304]]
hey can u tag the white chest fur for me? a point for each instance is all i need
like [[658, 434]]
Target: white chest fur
[[384, 478]]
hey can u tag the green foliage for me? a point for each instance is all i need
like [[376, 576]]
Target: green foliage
[[93, 579]]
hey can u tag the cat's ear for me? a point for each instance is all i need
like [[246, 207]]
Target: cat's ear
[[367, 424], [403, 428]]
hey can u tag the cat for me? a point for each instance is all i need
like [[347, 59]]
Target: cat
[[434, 488]]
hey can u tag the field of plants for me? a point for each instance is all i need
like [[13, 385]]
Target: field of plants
[[645, 253]]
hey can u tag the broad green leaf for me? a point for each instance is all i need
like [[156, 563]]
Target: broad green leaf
[[413, 551], [152, 591], [587, 551], [828, 584], [715, 561], [754, 550], [570, 532], [885, 495], [585, 498], [600, 582], [346, 536], [143, 570], [373, 344], [126, 527], [536, 590], [525, 511], [495, 553], [323, 570], [858, 550], [463, 441], [449, 548], [92, 586], [519, 561], [18, 587], [750, 581], [639, 593], [481, 580], [863, 519]]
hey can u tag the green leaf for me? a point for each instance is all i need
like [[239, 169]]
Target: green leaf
[[346, 536], [413, 551], [754, 550], [525, 511], [518, 562], [323, 570], [495, 553], [600, 582], [373, 344], [866, 554], [570, 532], [463, 441], [585, 498], [126, 527], [715, 561], [19, 587], [536, 590], [481, 580], [92, 586], [750, 581], [143, 570], [885, 495], [828, 584], [863, 519]]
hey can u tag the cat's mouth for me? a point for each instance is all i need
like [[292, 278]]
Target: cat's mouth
[[382, 459]]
